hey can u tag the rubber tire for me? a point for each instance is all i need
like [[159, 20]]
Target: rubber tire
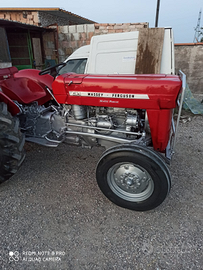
[[11, 144], [149, 161]]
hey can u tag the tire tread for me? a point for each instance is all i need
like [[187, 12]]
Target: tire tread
[[11, 144]]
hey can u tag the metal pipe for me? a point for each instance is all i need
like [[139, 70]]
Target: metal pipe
[[183, 78], [99, 136], [105, 129], [157, 13]]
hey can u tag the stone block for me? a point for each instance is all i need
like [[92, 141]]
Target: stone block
[[61, 52], [7, 16], [36, 19], [73, 44], [68, 51], [118, 26], [90, 28], [61, 37], [13, 16], [111, 31], [132, 26], [119, 30], [110, 27], [102, 27], [139, 26], [97, 32], [105, 31], [83, 36], [72, 29], [64, 29], [76, 36], [90, 35], [80, 28], [65, 44]]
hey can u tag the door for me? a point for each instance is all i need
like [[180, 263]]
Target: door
[[20, 50]]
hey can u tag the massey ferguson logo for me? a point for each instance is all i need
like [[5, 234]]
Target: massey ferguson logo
[[109, 95]]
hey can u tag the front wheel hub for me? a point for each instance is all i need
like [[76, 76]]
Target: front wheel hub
[[130, 181]]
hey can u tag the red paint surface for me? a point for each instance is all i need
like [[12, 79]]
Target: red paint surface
[[27, 86], [162, 90]]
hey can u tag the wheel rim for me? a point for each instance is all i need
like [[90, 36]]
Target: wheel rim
[[130, 182]]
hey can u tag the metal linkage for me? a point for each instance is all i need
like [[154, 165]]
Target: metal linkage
[[183, 78]]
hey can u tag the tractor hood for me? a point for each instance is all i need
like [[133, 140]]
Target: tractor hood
[[157, 91]]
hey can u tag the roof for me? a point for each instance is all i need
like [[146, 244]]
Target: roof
[[188, 44], [54, 11]]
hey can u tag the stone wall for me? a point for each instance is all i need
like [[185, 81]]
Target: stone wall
[[74, 36], [189, 58]]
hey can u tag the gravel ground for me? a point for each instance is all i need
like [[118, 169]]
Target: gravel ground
[[53, 215]]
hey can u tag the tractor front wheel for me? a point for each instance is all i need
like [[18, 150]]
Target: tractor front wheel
[[133, 177], [11, 144]]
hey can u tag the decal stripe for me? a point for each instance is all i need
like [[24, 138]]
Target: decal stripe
[[108, 95]]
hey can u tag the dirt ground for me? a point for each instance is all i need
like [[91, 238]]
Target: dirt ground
[[53, 215]]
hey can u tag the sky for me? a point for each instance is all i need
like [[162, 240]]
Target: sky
[[181, 15]]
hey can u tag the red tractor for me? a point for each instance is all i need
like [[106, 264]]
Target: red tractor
[[130, 115]]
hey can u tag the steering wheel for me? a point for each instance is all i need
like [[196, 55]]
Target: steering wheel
[[51, 70]]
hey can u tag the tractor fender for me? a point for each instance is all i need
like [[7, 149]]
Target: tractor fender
[[33, 74], [25, 90], [12, 107]]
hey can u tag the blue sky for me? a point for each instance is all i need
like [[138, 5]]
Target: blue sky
[[181, 15]]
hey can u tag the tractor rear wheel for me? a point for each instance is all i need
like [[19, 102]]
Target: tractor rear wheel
[[11, 144], [133, 177]]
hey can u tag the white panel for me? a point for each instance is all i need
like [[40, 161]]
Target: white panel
[[167, 60], [113, 53]]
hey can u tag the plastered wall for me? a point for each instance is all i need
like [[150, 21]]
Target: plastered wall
[[189, 58]]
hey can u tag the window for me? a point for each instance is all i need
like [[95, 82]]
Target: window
[[76, 66]]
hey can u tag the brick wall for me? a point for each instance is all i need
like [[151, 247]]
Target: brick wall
[[38, 18], [74, 36], [27, 17]]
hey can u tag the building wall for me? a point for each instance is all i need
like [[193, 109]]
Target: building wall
[[189, 58], [71, 37], [27, 17], [38, 18]]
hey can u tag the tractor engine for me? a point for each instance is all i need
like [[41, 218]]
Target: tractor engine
[[43, 125], [105, 126], [81, 125]]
